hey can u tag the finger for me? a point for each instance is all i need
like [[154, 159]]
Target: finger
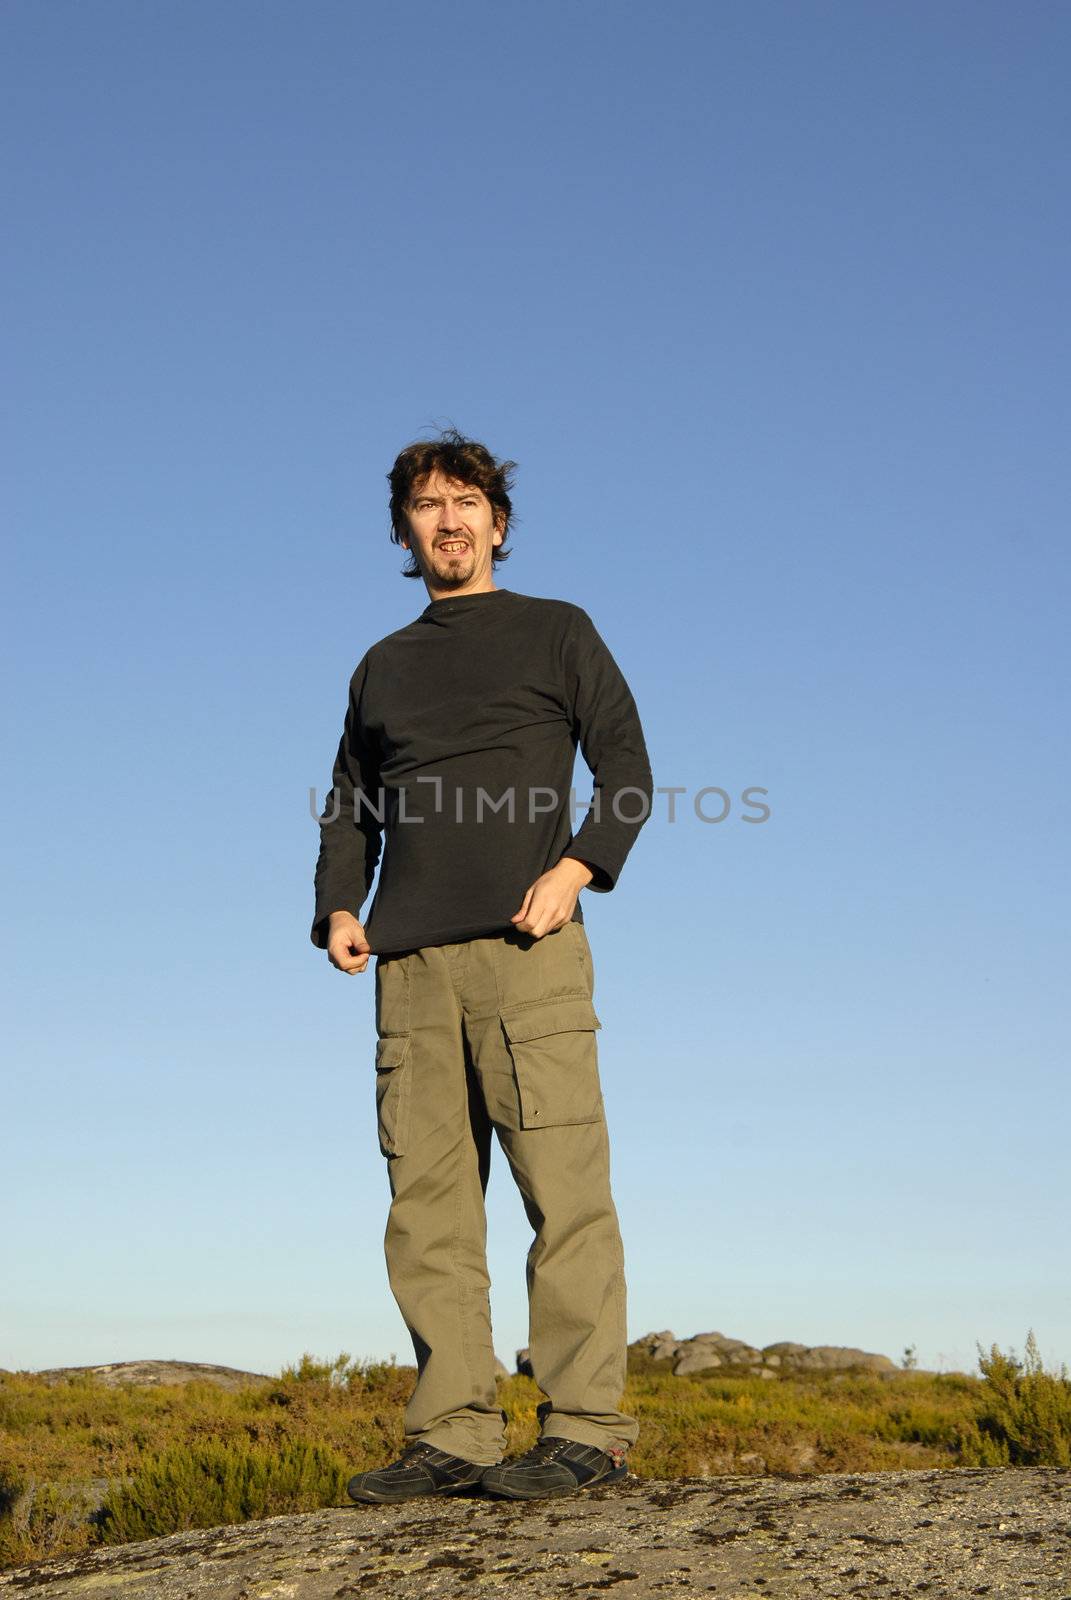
[[525, 903], [344, 958]]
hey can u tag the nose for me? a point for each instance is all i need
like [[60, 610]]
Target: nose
[[450, 519]]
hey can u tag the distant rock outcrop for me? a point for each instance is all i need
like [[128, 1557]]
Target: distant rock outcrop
[[716, 1352], [150, 1374], [702, 1353]]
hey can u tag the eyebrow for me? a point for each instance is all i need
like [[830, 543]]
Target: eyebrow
[[461, 494]]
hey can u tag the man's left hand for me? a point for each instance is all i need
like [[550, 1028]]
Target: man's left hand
[[549, 902]]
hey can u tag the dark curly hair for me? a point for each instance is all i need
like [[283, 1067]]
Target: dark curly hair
[[463, 460]]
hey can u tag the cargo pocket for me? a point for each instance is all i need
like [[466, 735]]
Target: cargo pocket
[[393, 1089], [555, 1061]]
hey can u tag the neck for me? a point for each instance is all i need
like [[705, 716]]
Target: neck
[[437, 592]]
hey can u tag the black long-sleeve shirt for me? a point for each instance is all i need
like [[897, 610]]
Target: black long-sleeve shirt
[[456, 758]]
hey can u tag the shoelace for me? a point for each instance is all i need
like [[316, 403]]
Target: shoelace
[[543, 1449], [418, 1449]]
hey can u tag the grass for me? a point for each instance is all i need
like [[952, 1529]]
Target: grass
[[83, 1464]]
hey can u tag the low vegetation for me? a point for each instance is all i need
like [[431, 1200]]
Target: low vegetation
[[82, 1463]]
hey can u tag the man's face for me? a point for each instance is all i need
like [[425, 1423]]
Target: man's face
[[452, 532]]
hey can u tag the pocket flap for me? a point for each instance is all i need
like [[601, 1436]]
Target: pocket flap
[[392, 1051], [533, 1021]]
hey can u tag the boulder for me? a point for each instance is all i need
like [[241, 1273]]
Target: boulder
[[694, 1362], [717, 1352]]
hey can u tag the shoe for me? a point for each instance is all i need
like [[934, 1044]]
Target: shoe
[[420, 1469], [554, 1466]]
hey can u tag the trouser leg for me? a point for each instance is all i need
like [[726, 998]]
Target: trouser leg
[[436, 1133], [576, 1281], [537, 1062]]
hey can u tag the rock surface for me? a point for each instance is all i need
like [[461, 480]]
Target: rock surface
[[939, 1535]]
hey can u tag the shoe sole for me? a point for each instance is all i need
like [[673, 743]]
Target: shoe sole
[[616, 1476], [373, 1496]]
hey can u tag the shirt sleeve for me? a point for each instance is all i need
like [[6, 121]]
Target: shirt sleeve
[[351, 835], [607, 727]]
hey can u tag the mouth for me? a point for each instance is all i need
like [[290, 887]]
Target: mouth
[[453, 547]]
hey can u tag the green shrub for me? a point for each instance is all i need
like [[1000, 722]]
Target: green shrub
[[368, 1377], [215, 1483], [38, 1520], [1025, 1415], [310, 1370]]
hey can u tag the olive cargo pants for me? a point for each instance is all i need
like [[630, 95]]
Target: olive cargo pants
[[499, 1033]]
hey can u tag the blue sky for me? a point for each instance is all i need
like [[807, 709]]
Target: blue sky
[[768, 301]]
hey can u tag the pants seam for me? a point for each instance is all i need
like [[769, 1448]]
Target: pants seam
[[579, 954], [462, 1289]]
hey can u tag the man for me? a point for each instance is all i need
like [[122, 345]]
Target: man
[[457, 756]]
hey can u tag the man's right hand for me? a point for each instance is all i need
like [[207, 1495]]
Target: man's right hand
[[347, 947]]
